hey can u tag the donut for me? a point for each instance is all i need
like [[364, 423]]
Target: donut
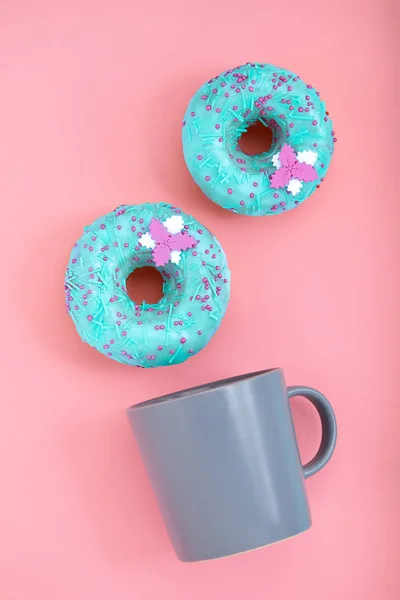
[[195, 291], [302, 139]]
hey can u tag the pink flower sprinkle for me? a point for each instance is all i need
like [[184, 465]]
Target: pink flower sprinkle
[[166, 242], [291, 168]]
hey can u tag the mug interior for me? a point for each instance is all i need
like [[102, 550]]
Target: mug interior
[[200, 389]]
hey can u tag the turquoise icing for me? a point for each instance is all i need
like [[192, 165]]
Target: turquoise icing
[[196, 291], [223, 109]]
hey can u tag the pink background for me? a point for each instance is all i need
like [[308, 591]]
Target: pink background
[[92, 97]]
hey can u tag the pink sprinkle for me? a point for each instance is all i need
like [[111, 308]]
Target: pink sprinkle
[[208, 107], [90, 318], [183, 340], [124, 333]]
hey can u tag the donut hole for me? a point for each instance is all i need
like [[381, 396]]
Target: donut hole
[[257, 139], [145, 284]]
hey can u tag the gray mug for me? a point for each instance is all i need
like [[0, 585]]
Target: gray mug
[[224, 464]]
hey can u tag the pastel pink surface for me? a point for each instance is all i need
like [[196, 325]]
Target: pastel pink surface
[[92, 98]]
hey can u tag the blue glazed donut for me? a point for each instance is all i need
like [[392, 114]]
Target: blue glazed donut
[[270, 182], [196, 285]]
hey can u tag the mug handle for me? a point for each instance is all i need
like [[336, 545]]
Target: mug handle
[[329, 427]]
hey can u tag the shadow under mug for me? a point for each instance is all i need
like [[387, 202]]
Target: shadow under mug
[[224, 463]]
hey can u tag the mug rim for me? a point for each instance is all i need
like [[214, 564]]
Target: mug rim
[[199, 390]]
